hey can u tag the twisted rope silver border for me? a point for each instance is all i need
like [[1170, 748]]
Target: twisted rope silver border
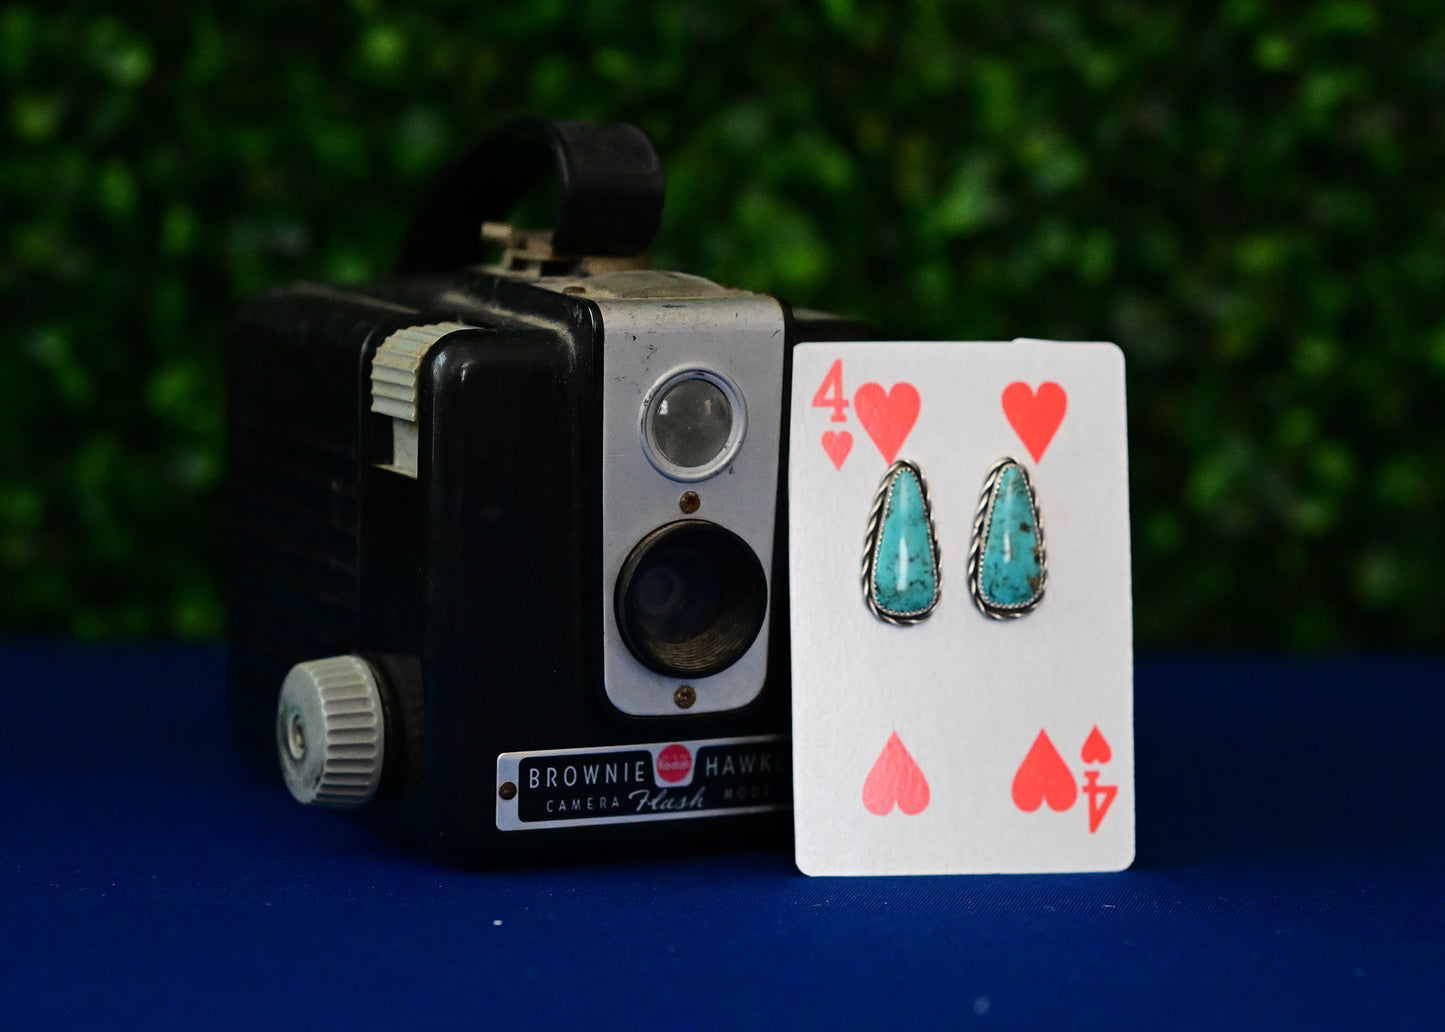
[[982, 518], [875, 532]]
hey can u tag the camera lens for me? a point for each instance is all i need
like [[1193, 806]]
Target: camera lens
[[692, 424], [691, 599]]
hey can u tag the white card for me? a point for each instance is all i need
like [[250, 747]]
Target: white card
[[961, 743]]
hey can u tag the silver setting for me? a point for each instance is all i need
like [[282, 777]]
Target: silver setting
[[871, 541], [724, 458], [982, 518]]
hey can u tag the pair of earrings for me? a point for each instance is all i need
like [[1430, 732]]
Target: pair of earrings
[[902, 572]]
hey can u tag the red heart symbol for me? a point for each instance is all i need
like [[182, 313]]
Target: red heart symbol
[[1096, 749], [837, 446], [1043, 777], [1035, 417], [895, 778], [887, 417]]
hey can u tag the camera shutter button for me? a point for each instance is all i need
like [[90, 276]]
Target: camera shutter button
[[331, 732]]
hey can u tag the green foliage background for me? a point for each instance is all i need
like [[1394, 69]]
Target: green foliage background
[[1246, 195]]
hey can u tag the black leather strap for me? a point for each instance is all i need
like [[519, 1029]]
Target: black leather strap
[[611, 198]]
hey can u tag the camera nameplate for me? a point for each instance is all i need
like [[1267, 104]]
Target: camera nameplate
[[658, 781]]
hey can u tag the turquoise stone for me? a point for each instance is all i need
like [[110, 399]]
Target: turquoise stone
[[1011, 569], [905, 569]]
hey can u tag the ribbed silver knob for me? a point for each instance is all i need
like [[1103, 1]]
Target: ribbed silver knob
[[396, 392], [397, 366], [330, 732]]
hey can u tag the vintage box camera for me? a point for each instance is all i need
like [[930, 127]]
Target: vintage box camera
[[507, 539]]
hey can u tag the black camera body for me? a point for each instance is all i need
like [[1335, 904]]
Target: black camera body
[[507, 540]]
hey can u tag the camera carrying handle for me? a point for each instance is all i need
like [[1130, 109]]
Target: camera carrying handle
[[611, 196]]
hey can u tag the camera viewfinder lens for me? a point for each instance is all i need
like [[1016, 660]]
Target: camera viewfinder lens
[[691, 423]]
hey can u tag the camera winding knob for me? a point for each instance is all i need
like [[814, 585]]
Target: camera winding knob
[[331, 732]]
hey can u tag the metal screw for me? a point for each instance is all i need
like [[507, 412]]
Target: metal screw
[[689, 502], [507, 790], [685, 696], [296, 738]]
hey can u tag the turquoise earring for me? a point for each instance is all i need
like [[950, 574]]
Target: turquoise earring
[[1007, 564], [901, 577]]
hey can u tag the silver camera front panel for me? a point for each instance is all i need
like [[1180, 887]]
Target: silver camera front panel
[[737, 343]]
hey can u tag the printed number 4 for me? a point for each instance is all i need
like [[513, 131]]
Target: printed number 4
[[830, 392]]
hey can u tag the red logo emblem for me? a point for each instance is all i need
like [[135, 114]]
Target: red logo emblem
[[674, 763]]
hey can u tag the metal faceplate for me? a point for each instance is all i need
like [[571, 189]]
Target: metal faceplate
[[646, 343]]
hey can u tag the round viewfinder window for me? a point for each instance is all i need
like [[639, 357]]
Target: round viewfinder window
[[692, 426]]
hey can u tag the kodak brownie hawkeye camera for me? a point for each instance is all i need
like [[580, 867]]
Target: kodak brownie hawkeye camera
[[506, 539]]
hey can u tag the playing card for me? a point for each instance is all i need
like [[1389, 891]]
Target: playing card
[[961, 608]]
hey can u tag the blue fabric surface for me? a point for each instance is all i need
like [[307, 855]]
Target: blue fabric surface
[[1291, 874]]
